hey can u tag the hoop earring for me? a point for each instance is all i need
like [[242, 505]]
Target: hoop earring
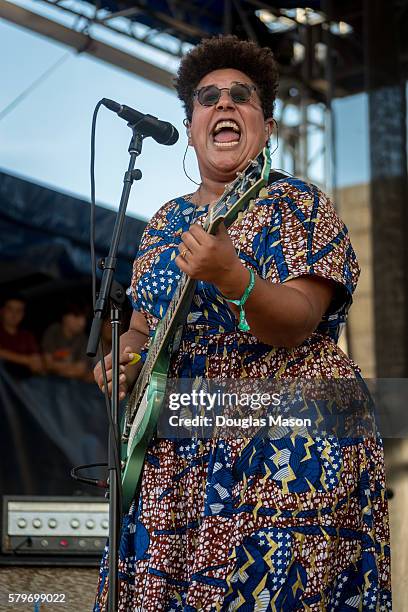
[[277, 138], [184, 167]]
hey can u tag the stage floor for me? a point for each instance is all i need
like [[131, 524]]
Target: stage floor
[[79, 584]]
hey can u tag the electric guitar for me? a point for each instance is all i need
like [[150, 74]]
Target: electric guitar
[[146, 398]]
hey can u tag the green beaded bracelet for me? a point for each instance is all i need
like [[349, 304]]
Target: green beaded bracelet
[[243, 323]]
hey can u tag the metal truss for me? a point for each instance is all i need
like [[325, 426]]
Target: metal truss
[[318, 46], [304, 149]]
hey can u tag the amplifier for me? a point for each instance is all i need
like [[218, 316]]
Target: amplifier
[[54, 526]]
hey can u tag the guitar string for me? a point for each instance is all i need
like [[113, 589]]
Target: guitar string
[[143, 382], [143, 379], [232, 187]]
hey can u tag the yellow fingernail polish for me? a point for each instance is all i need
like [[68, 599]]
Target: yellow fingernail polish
[[136, 358]]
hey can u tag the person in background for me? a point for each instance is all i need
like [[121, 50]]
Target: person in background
[[106, 337], [64, 345], [18, 346]]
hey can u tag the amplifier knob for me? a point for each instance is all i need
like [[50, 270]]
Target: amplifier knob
[[74, 523], [37, 523], [22, 523], [90, 524], [105, 524], [52, 523]]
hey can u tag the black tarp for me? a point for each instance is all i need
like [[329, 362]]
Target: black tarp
[[49, 425]]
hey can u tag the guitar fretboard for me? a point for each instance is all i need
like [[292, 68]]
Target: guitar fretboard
[[233, 200]]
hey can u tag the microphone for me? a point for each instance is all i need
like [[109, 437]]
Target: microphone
[[161, 131]]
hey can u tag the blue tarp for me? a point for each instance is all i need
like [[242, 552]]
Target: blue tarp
[[47, 232], [207, 17], [50, 424]]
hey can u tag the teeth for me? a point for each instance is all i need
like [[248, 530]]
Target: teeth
[[226, 144], [226, 124]]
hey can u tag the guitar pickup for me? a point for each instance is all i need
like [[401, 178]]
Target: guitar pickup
[[177, 339], [125, 431]]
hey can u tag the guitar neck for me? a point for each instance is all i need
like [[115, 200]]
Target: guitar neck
[[176, 313], [229, 206]]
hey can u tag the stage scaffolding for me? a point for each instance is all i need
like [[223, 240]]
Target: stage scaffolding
[[325, 50], [150, 37]]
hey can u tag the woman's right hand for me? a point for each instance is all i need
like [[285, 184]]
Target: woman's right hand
[[125, 357]]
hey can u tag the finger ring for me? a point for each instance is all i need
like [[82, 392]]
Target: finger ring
[[184, 252]]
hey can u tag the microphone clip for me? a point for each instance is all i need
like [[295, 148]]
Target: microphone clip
[[133, 175]]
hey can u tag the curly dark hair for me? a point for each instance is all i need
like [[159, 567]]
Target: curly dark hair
[[228, 52]]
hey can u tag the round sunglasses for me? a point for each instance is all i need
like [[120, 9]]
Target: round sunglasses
[[210, 94]]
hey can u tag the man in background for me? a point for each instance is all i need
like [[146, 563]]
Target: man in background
[[18, 347], [64, 345]]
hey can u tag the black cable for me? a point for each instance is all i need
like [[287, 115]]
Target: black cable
[[95, 482], [184, 167], [93, 205], [112, 428], [27, 541]]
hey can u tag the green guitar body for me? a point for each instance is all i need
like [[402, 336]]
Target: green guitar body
[[133, 453]]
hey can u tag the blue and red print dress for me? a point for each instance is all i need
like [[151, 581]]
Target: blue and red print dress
[[286, 524]]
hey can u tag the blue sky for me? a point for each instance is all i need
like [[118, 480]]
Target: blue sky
[[46, 138]]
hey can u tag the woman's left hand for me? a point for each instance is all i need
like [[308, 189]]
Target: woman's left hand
[[208, 258]]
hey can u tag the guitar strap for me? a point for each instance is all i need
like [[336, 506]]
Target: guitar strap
[[274, 176]]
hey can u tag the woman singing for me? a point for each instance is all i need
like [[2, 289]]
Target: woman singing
[[290, 524]]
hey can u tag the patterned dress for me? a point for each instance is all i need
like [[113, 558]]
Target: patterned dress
[[296, 523]]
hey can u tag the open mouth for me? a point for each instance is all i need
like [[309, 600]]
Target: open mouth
[[226, 133]]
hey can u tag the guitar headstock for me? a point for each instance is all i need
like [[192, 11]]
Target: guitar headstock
[[246, 186]]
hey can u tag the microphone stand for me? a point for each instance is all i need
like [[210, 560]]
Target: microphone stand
[[111, 292]]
